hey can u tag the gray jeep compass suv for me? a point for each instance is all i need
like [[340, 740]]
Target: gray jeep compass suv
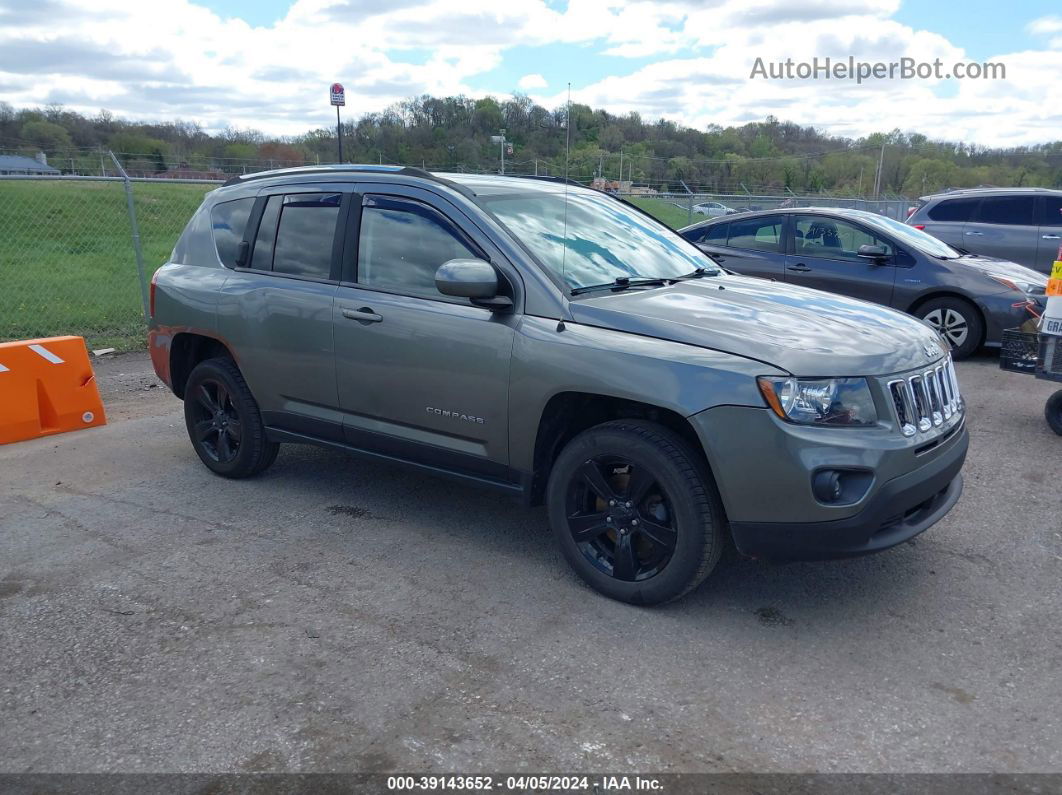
[[560, 345]]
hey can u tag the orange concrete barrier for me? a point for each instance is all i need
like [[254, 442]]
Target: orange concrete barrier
[[46, 386]]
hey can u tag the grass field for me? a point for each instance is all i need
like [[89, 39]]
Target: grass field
[[664, 210], [66, 256]]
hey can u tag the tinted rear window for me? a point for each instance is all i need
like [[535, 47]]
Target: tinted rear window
[[1007, 210], [228, 221], [954, 210], [709, 234], [306, 234], [759, 234]]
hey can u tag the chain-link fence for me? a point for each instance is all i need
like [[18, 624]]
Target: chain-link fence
[[69, 262], [67, 259]]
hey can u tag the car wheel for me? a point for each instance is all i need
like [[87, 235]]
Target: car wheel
[[223, 421], [1053, 412], [958, 321], [635, 512]]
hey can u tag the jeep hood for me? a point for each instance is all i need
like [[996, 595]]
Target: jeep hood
[[805, 332]]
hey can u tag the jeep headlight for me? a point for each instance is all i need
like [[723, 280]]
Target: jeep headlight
[[820, 401]]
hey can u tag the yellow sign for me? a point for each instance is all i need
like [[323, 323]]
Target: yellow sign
[[1054, 283]]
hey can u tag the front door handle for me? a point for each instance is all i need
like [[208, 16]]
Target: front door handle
[[979, 234], [363, 315], [1052, 237], [800, 267]]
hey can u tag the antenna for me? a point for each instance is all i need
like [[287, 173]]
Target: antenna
[[567, 150]]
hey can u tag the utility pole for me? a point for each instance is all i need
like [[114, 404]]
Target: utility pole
[[621, 166], [501, 142], [881, 167], [536, 166]]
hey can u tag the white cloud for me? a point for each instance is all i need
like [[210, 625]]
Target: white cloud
[[188, 62], [528, 82]]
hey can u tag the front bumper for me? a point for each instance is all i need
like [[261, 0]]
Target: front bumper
[[900, 509]]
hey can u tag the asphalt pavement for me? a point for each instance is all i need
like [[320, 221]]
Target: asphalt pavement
[[333, 615]]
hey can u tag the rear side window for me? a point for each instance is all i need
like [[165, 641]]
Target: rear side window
[[953, 210], [715, 234], [758, 234], [402, 245], [1007, 210], [297, 234], [1051, 211], [306, 234], [228, 220]]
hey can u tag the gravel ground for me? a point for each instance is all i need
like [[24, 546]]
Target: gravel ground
[[338, 616]]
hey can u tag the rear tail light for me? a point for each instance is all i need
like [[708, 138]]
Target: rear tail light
[[920, 227], [151, 294]]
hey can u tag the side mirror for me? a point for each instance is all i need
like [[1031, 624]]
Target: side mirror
[[876, 253], [473, 279]]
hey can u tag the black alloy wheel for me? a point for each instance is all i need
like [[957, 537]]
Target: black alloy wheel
[[620, 518]]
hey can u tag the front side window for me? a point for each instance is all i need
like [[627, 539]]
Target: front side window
[[954, 210], [403, 243], [588, 239], [1007, 210], [296, 235], [830, 238], [1051, 211], [228, 221], [758, 234]]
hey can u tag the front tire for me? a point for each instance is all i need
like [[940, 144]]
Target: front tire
[[1053, 412], [223, 421], [636, 512], [958, 321]]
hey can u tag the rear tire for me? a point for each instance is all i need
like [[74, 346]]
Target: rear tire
[[958, 321], [635, 512], [223, 421], [1053, 412]]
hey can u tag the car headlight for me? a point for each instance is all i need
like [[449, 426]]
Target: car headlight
[[820, 401], [1030, 288]]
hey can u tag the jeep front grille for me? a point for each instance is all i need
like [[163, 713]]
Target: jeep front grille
[[927, 399]]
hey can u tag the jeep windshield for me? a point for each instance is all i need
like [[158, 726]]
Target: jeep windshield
[[590, 240]]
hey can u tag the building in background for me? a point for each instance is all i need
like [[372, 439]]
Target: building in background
[[17, 164]]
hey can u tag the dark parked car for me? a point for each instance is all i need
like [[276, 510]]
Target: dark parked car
[[1023, 225], [561, 346], [969, 299]]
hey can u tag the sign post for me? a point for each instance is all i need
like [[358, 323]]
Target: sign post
[[338, 97]]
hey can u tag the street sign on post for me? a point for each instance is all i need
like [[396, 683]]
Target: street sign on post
[[338, 97]]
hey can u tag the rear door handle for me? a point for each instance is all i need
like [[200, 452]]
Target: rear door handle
[[1052, 237], [799, 267], [362, 315], [975, 233]]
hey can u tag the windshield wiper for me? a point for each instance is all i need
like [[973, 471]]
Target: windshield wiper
[[697, 274], [623, 282]]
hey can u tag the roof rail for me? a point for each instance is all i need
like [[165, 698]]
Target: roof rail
[[348, 168], [549, 178]]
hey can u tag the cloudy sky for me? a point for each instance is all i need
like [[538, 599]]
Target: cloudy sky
[[267, 64]]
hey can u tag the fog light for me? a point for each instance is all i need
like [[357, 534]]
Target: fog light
[[826, 485]]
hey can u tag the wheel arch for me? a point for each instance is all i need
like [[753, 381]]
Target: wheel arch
[[566, 414], [944, 293], [187, 349]]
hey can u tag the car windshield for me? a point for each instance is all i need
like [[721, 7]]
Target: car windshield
[[595, 239], [920, 240]]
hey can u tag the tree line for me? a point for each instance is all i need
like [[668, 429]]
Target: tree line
[[459, 133]]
